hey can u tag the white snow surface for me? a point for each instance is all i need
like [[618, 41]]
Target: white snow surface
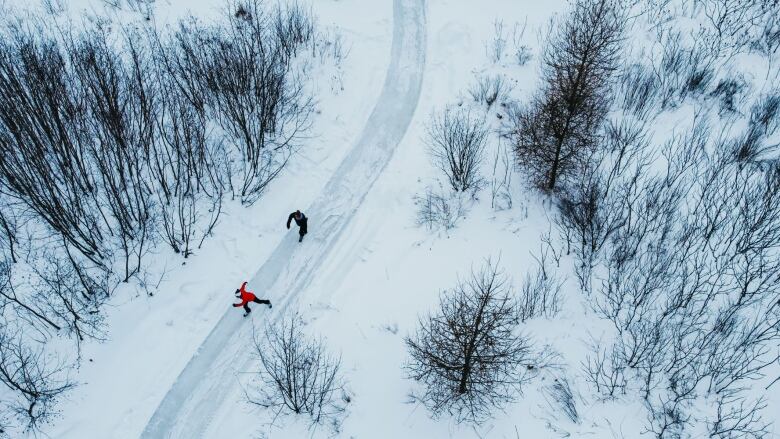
[[190, 404], [177, 363]]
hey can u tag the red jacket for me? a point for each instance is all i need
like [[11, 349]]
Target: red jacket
[[246, 296]]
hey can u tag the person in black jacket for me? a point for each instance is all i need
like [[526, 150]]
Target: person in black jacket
[[300, 220]]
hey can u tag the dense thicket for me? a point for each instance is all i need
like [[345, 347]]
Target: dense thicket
[[114, 140], [683, 260]]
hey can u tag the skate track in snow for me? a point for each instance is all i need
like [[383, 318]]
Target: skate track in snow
[[187, 410]]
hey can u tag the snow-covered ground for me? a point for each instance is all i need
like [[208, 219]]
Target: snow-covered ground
[[365, 272]]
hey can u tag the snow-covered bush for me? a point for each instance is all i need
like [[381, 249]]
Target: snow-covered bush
[[540, 293], [467, 355], [730, 93], [490, 89], [496, 47], [561, 398], [456, 141], [501, 180], [435, 209], [298, 374], [638, 90]]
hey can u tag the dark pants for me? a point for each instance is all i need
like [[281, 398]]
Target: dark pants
[[264, 301], [302, 231]]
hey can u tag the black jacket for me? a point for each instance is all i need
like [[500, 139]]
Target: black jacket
[[302, 222]]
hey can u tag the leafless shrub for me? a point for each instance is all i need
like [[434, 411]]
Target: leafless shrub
[[501, 182], [730, 93], [558, 129], [523, 55], [605, 371], [638, 90], [490, 89], [765, 114], [294, 28], [667, 418], [522, 52], [467, 355], [496, 47], [456, 142], [190, 170], [298, 375], [682, 71], [560, 398], [769, 38], [74, 298], [539, 295], [589, 206], [435, 210]]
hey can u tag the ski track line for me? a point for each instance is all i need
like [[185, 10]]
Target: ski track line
[[187, 409]]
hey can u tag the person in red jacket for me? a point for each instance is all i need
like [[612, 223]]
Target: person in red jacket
[[246, 297]]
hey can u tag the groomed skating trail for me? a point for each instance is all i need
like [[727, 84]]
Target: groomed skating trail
[[210, 376]]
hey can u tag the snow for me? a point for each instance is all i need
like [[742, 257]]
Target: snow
[[177, 363], [189, 405]]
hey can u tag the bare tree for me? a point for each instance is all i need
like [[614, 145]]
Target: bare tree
[[468, 354], [298, 375], [555, 133], [36, 380], [456, 143]]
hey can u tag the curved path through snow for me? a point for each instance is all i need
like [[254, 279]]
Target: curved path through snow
[[202, 387]]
